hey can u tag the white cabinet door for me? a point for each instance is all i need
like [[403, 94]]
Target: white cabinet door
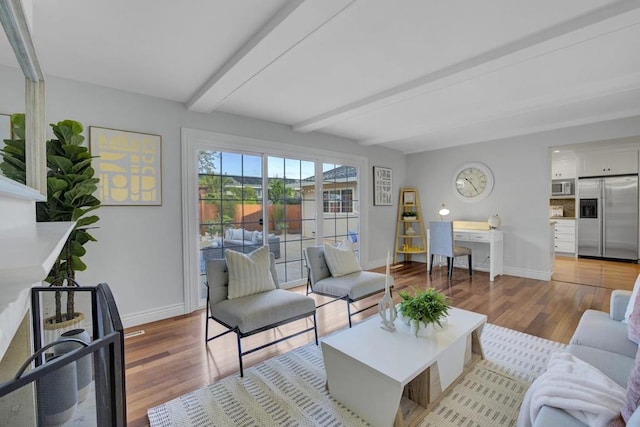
[[622, 162], [565, 236], [599, 163], [563, 166]]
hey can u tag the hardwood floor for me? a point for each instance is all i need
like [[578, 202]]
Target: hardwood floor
[[171, 359]]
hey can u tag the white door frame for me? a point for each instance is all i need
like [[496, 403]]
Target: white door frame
[[194, 140]]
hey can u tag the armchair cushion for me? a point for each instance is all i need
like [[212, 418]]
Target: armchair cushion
[[618, 304], [341, 260], [249, 274], [263, 309], [355, 285]]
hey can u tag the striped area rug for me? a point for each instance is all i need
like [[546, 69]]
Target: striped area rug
[[289, 390]]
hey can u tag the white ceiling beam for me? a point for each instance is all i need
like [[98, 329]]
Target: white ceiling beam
[[530, 130], [591, 25], [526, 106], [284, 31]]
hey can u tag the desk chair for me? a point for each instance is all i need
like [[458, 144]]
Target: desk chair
[[441, 243]]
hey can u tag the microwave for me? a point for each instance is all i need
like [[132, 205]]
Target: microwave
[[562, 187]]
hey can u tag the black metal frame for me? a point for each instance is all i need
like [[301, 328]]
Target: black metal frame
[[345, 298], [107, 344], [240, 334]]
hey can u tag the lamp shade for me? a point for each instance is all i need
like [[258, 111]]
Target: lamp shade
[[443, 211]]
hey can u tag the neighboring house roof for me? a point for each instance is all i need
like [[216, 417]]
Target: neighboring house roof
[[339, 174]]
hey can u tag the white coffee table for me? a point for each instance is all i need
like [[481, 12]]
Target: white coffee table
[[369, 368]]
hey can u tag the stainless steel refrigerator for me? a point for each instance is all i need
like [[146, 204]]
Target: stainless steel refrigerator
[[608, 217]]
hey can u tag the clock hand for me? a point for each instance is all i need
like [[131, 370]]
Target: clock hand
[[469, 181]]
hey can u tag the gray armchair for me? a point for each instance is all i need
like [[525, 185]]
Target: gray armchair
[[441, 243], [255, 313], [350, 288]]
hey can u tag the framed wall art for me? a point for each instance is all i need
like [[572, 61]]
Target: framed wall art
[[382, 186], [128, 165], [409, 198]]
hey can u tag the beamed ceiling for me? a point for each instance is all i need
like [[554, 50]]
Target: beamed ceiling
[[412, 75]]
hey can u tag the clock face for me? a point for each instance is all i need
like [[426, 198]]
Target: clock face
[[473, 181]]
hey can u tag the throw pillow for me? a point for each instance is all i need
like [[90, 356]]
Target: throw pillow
[[247, 235], [633, 391], [633, 326], [341, 260], [632, 300], [249, 273], [258, 237]]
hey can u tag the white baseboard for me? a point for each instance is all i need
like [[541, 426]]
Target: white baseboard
[[529, 274], [152, 315]]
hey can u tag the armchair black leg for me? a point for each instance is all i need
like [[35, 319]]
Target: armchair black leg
[[240, 355], [431, 265], [206, 320], [315, 327], [450, 267], [348, 311], [470, 266]]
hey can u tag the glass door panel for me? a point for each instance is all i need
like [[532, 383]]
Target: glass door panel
[[291, 213], [341, 216], [230, 205]]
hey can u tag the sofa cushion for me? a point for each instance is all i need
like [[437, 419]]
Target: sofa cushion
[[263, 309], [355, 285], [615, 366], [597, 330], [550, 416], [341, 260], [633, 326], [249, 274], [236, 234]]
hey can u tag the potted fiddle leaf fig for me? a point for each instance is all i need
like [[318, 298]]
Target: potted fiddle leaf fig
[[71, 184], [424, 308]]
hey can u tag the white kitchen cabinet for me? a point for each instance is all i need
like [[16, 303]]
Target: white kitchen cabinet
[[563, 166], [565, 236], [599, 163]]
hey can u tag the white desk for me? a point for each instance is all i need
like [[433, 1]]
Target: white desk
[[495, 240]]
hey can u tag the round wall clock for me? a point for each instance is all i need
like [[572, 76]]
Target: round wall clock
[[473, 181]]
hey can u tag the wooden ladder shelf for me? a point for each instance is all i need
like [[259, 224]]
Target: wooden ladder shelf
[[409, 240]]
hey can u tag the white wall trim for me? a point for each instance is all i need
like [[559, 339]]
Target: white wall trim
[[528, 274], [152, 315]]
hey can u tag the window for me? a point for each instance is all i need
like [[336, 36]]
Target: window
[[338, 201]]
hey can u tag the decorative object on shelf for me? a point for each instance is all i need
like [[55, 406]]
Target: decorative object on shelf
[[129, 165], [556, 211], [409, 198], [382, 186], [84, 365], [386, 307], [410, 231], [473, 181], [443, 212], [425, 307], [494, 221], [409, 215]]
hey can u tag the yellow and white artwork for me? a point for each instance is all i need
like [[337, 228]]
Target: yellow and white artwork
[[128, 165]]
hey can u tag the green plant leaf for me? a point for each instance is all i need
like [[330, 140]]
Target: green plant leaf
[[58, 162], [83, 222], [77, 264]]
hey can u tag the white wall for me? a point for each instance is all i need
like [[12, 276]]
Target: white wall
[[139, 249], [521, 167]]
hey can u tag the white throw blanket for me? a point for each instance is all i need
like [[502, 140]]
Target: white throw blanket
[[578, 388]]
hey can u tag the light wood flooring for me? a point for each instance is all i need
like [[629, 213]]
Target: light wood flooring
[[171, 359]]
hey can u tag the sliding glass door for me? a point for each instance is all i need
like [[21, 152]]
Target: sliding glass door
[[241, 200]]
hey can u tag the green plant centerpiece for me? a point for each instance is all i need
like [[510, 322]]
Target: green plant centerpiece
[[424, 307], [70, 188]]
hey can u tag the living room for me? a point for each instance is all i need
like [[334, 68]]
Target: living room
[[148, 276]]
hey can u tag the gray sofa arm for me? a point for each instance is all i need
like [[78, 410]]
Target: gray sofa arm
[[618, 304]]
